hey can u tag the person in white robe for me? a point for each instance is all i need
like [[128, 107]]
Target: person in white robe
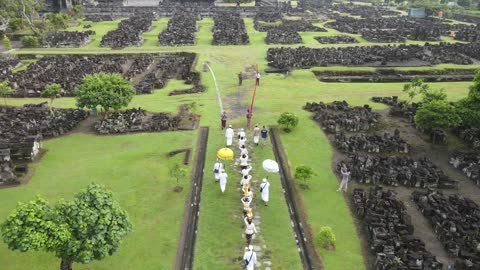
[[223, 181], [345, 179], [265, 190], [217, 168], [250, 258], [229, 134]]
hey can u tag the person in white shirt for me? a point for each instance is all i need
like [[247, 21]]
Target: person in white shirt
[[241, 133], [223, 180], [243, 161], [217, 168], [246, 171], [345, 179], [257, 79], [246, 205], [243, 150], [264, 189], [250, 229], [256, 135], [229, 134], [245, 181], [250, 258]]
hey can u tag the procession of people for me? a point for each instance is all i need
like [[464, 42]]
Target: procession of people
[[247, 189]]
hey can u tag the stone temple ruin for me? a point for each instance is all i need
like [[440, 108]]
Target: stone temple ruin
[[180, 30], [146, 71], [139, 120], [229, 29], [21, 132], [390, 231], [66, 39], [129, 32]]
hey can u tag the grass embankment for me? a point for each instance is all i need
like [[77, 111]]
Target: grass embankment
[[135, 168]]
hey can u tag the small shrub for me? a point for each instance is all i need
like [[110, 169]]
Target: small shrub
[[288, 120], [326, 237], [30, 42], [7, 43]]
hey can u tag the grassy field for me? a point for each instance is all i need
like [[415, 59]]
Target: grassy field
[[135, 168], [144, 189]]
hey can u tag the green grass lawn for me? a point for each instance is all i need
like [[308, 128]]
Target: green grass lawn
[[135, 168], [144, 189]]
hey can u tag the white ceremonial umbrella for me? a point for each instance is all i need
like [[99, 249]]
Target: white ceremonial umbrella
[[270, 166]]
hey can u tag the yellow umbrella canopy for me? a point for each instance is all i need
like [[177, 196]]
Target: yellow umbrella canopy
[[225, 154]]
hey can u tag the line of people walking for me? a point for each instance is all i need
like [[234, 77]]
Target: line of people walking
[[246, 187]]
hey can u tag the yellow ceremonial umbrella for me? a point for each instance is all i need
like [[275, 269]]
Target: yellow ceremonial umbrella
[[225, 154]]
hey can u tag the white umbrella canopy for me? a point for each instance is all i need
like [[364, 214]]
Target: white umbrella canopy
[[270, 166]]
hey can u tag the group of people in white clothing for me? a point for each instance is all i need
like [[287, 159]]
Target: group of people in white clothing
[[246, 187]]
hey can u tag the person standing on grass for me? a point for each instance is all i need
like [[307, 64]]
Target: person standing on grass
[[249, 118], [345, 179], [223, 119], [249, 258], [223, 181], [264, 133], [250, 229], [245, 181], [217, 168], [229, 133], [240, 78], [264, 189], [257, 78], [256, 135], [243, 150]]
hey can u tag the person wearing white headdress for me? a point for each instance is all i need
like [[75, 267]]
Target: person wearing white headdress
[[241, 142], [229, 134], [223, 180], [249, 258], [217, 168], [265, 190]]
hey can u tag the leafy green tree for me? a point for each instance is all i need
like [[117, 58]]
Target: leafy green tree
[[90, 227], [414, 87], [52, 91], [304, 173], [433, 94], [469, 108], [436, 114], [289, 120], [177, 172], [110, 91], [5, 90], [27, 10]]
